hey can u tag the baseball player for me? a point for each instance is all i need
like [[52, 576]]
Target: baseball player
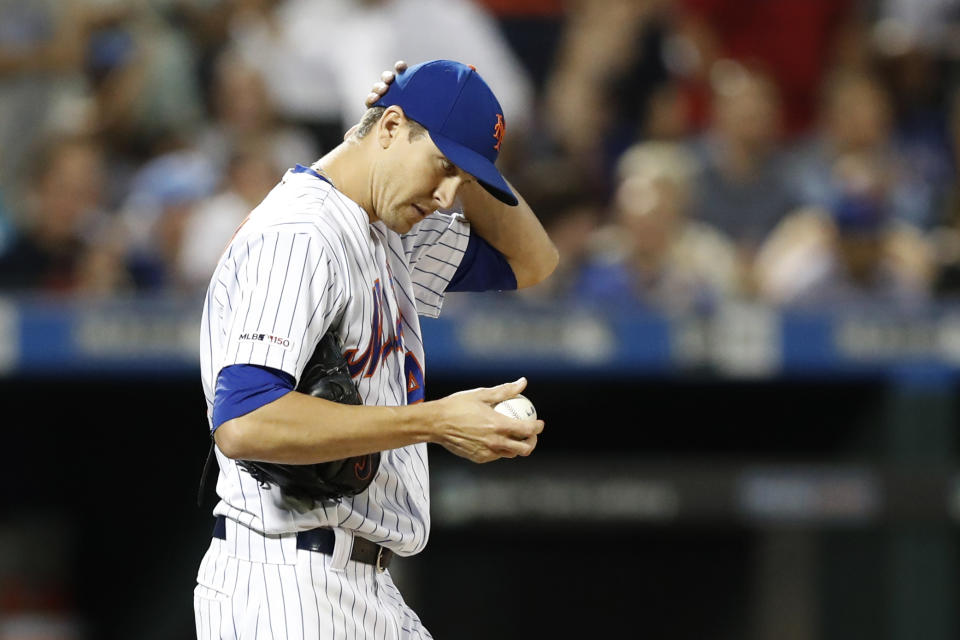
[[356, 244]]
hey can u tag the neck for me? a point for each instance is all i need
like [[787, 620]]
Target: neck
[[347, 167]]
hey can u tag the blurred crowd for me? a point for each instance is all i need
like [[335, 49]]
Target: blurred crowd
[[799, 153]]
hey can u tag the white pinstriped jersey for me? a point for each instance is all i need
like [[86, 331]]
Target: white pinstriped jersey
[[308, 259]]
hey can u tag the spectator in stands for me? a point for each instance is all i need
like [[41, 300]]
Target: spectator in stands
[[291, 40], [654, 253], [143, 75], [570, 212], [117, 70], [596, 55], [946, 235], [66, 245], [916, 78], [853, 254], [212, 222], [933, 23], [162, 196], [269, 36], [798, 41], [667, 115], [620, 59], [42, 45], [858, 119], [207, 25], [533, 28], [242, 113], [743, 189], [141, 70]]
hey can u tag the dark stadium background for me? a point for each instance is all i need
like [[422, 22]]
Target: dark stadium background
[[118, 460]]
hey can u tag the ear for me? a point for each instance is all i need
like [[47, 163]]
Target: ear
[[388, 128]]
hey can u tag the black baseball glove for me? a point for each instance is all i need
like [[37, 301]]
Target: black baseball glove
[[325, 376]]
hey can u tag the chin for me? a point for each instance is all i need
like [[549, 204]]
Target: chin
[[399, 225]]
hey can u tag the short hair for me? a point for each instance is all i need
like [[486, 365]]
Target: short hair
[[372, 117], [657, 160]]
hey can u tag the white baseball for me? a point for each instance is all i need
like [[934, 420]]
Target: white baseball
[[518, 407]]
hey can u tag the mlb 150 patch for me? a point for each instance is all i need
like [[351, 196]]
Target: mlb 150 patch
[[272, 340]]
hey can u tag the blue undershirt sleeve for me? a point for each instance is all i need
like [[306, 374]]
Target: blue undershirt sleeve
[[241, 388], [482, 268]]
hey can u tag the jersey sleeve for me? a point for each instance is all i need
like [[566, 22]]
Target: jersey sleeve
[[434, 250], [242, 388], [482, 268], [290, 294]]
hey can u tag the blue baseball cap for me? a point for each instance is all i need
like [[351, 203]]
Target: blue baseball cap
[[460, 113], [859, 213]]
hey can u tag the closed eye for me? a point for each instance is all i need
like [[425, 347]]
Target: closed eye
[[450, 170], [448, 167]]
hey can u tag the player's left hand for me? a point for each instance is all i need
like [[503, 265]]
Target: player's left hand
[[380, 88]]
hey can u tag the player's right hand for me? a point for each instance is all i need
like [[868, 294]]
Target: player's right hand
[[380, 88], [467, 425]]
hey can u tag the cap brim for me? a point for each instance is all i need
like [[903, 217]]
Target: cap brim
[[476, 165]]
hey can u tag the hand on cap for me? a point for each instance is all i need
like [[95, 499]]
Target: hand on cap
[[380, 88]]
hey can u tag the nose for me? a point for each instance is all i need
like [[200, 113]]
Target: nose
[[446, 192]]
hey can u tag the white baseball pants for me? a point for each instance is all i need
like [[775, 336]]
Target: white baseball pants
[[298, 598]]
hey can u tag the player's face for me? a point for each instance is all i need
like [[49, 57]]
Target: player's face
[[418, 179]]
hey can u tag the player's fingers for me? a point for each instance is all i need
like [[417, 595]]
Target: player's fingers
[[523, 429], [400, 66], [511, 447], [506, 447], [478, 391], [504, 391], [536, 427], [376, 92], [530, 444], [387, 77], [482, 456]]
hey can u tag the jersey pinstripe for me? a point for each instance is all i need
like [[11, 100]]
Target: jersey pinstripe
[[306, 260]]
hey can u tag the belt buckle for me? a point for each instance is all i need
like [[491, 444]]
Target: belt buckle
[[380, 569]]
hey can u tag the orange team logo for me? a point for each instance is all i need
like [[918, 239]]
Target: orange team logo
[[362, 468], [498, 130]]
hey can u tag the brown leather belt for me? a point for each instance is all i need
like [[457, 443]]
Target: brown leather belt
[[322, 540]]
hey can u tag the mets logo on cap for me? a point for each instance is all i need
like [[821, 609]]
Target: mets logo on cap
[[498, 130]]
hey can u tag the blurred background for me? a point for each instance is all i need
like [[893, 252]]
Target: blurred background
[[747, 359]]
